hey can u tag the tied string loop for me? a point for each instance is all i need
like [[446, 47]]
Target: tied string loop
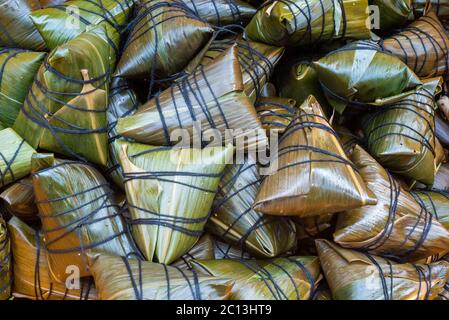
[[191, 280], [37, 110], [286, 113], [6, 165], [419, 104], [169, 220]]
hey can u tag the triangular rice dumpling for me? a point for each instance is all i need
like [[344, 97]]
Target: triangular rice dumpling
[[423, 46], [361, 75], [393, 14], [397, 227], [18, 200], [80, 214], [354, 275], [170, 194], [234, 220], [15, 157], [292, 278], [165, 36], [65, 110], [257, 61], [118, 278], [204, 249], [436, 202], [200, 102], [122, 102], [5, 262], [441, 7], [18, 68], [314, 175], [222, 12], [305, 22], [32, 278], [16, 28], [401, 135], [275, 113], [64, 22]]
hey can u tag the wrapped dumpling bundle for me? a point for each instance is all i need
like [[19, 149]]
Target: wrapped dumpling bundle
[[204, 249], [235, 221], [165, 36], [5, 262], [401, 135], [120, 278], [32, 279], [314, 175], [423, 46], [436, 202], [65, 21], [65, 110], [292, 278], [393, 14], [18, 200], [257, 61], [16, 28], [275, 113], [170, 192], [361, 75], [222, 12], [18, 68], [397, 227], [200, 104], [354, 275], [122, 102], [80, 214], [15, 157], [305, 22]]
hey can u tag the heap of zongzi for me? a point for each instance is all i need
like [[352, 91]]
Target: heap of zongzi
[[314, 175], [15, 157], [32, 279], [122, 278], [199, 106], [354, 275], [17, 70], [361, 75], [401, 135], [234, 220], [80, 214], [397, 227], [170, 193], [165, 35], [423, 45], [65, 110], [305, 22], [5, 262], [291, 278], [16, 28]]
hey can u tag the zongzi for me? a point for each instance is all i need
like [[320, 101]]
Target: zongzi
[[80, 214], [18, 68], [393, 14], [314, 175], [436, 202], [354, 275], [165, 36], [65, 110], [120, 278], [15, 157], [170, 193], [18, 200], [305, 22], [32, 278], [292, 278], [398, 227]]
